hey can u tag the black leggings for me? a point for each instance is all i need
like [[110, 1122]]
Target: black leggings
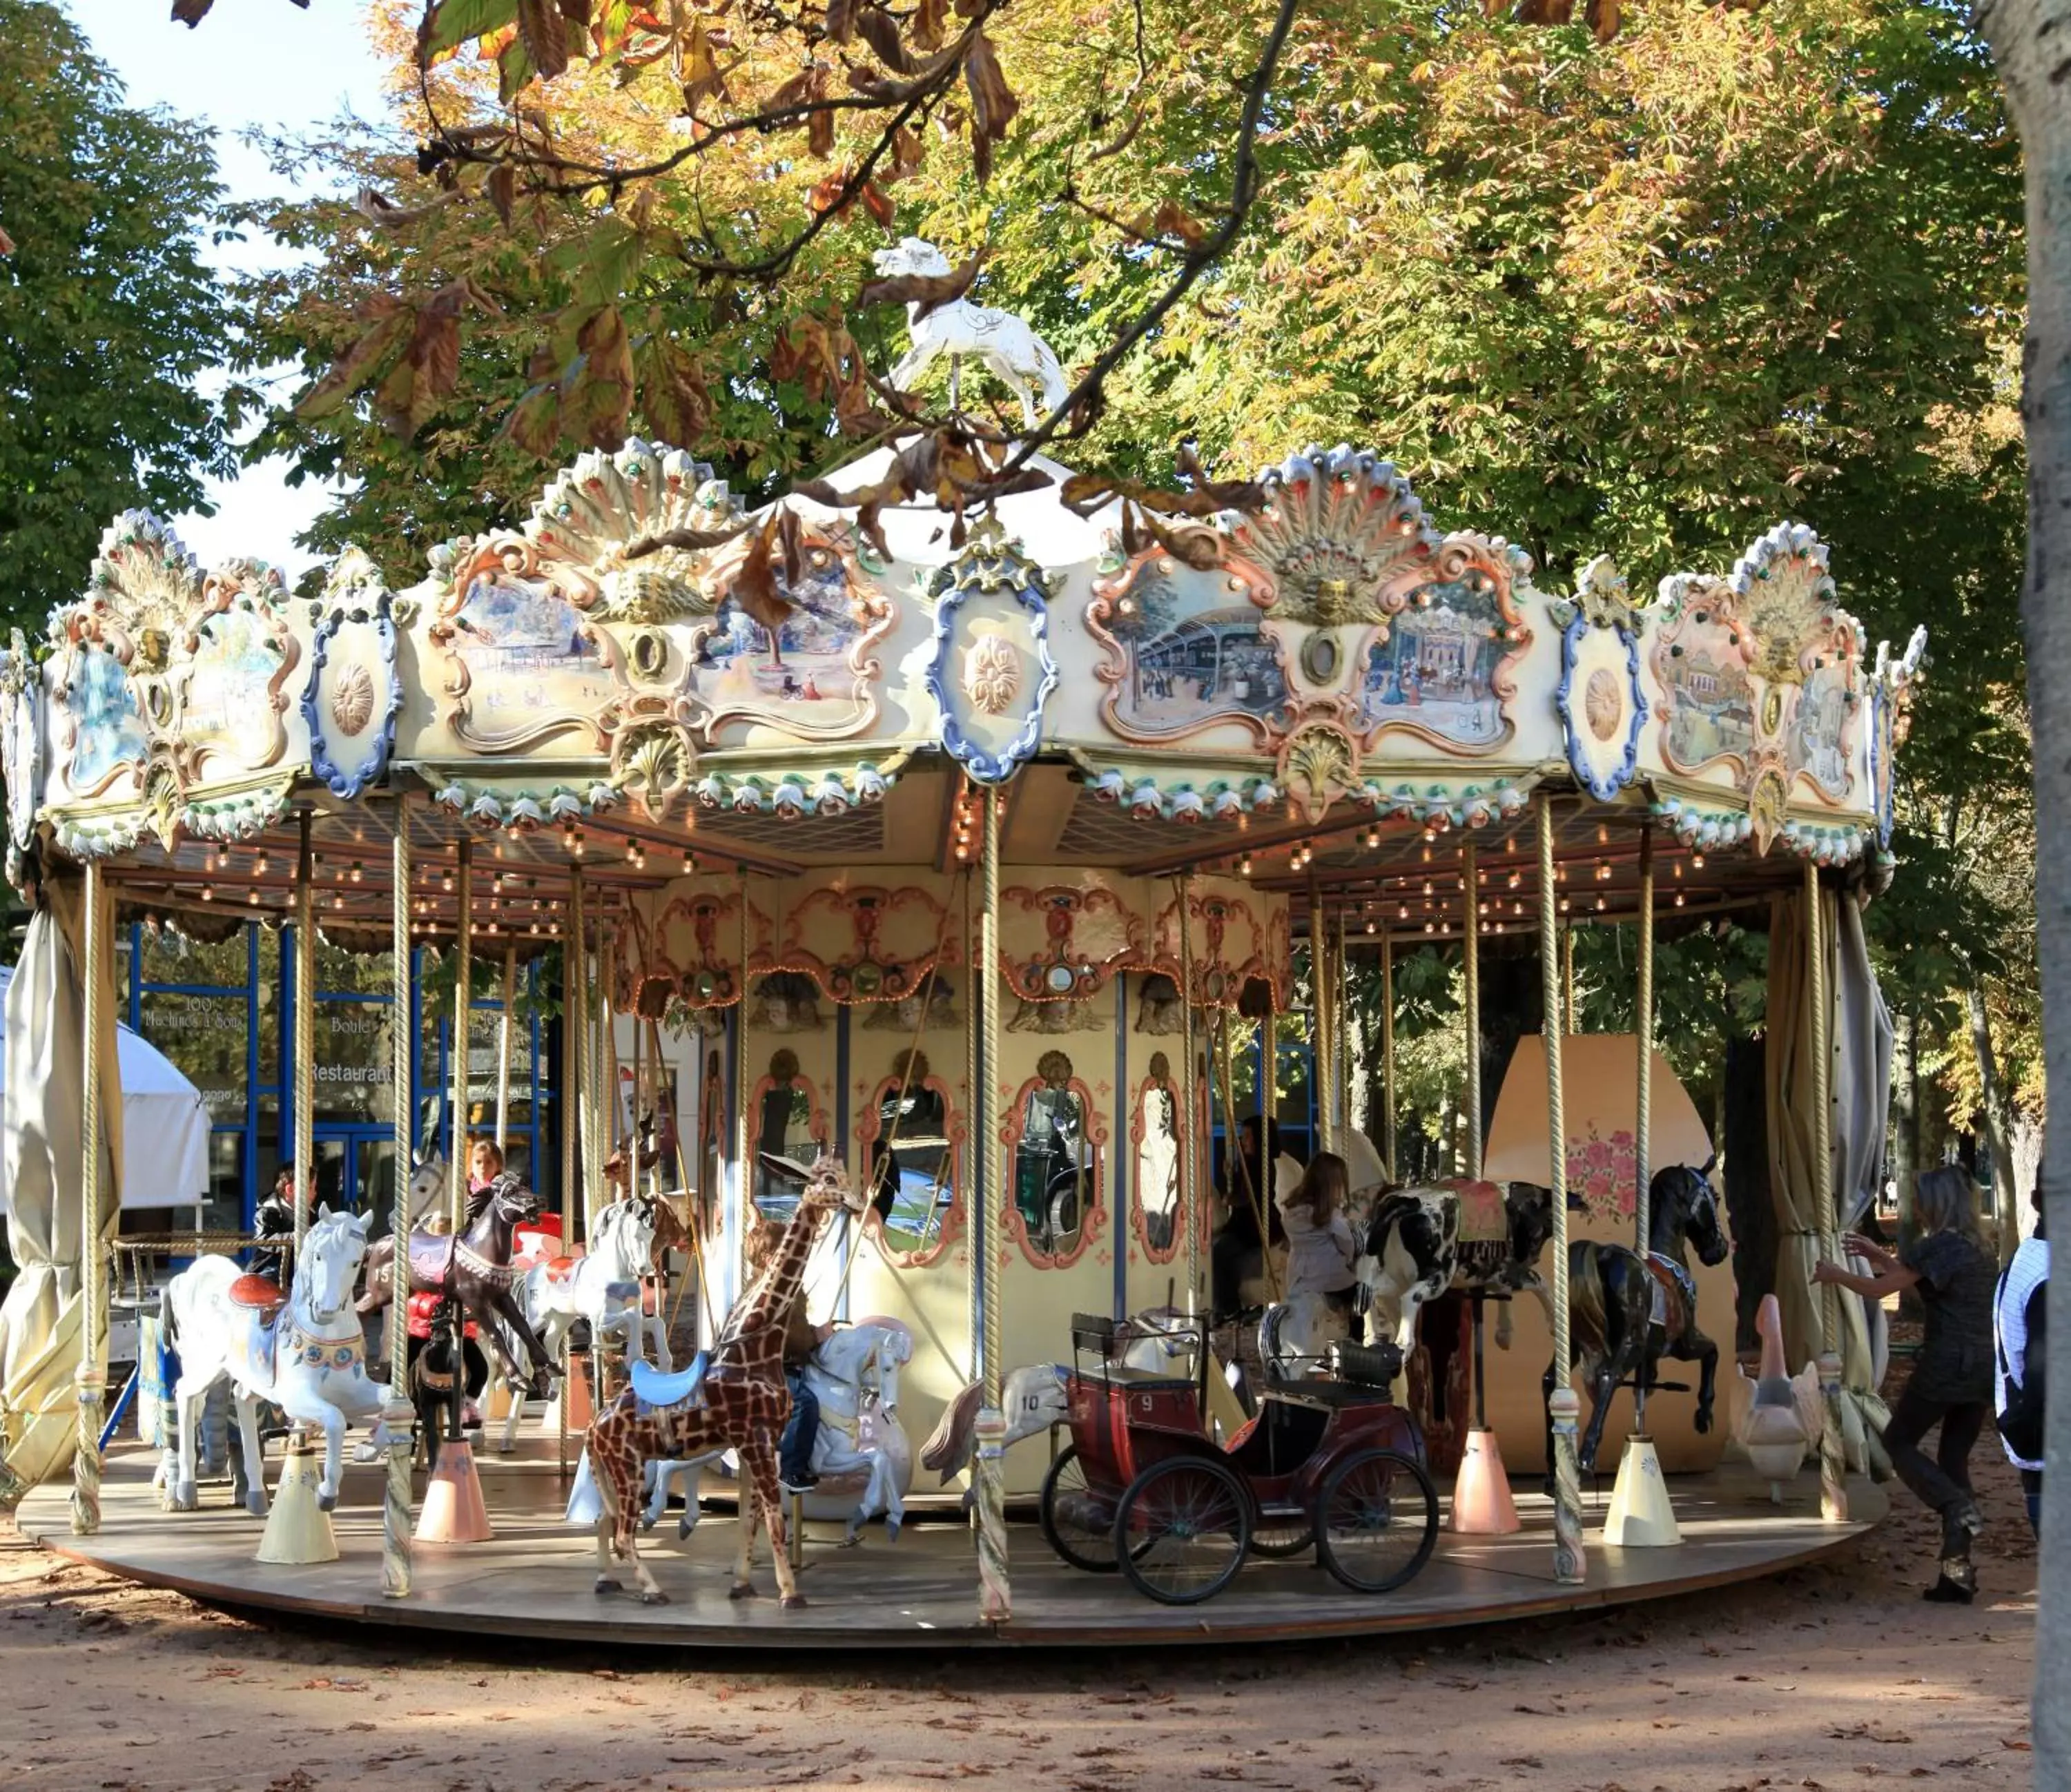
[[1944, 1480]]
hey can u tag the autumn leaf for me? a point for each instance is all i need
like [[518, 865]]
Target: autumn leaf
[[603, 391], [878, 204], [535, 421], [6, 243], [928, 291], [930, 19], [546, 34], [502, 187], [992, 103], [673, 394], [881, 31], [450, 23], [390, 318], [701, 76], [841, 21]]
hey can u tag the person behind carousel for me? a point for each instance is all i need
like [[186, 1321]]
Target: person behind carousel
[[1247, 1189], [273, 1223], [1320, 1252], [1951, 1383]]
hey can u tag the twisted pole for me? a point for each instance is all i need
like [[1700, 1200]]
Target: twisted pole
[[1387, 1050], [1642, 1197], [395, 1413], [1471, 955], [92, 1376], [1833, 1462], [463, 976], [1190, 1199], [305, 1032], [995, 1592], [504, 1030], [1570, 1564]]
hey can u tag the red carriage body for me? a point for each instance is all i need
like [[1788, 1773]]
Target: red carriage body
[[1144, 1487]]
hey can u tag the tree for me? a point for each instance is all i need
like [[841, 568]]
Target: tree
[[2021, 33], [109, 315]]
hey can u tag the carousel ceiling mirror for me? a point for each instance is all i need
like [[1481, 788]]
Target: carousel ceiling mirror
[[1054, 1138], [788, 1121], [911, 1133], [1154, 1135]]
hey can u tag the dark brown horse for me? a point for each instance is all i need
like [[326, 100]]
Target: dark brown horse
[[1626, 1311], [473, 1268]]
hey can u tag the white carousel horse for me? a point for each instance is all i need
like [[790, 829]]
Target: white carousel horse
[[307, 1355], [425, 1193], [1295, 1336], [1032, 1399], [860, 1447], [859, 1434], [602, 1286], [1021, 358]]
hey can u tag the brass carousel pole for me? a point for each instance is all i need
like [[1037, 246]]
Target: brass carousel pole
[[1191, 1143], [1340, 1058], [397, 1415], [575, 1199], [995, 1594], [305, 1037], [571, 1110], [1570, 1564], [505, 1029], [745, 1175], [1324, 1048], [92, 1376], [463, 974], [1642, 1128], [1470, 952], [1387, 1050], [1640, 1513], [1833, 1463]]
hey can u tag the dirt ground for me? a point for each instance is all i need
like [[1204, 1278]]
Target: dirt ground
[[1834, 1676]]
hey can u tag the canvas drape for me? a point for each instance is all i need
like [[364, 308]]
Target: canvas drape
[[42, 1158]]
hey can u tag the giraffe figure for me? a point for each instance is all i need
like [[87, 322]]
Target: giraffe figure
[[742, 1404]]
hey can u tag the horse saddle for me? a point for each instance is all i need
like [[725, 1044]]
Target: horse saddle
[[1483, 1217], [1675, 1293], [561, 1269], [652, 1389], [259, 1294], [431, 1258]]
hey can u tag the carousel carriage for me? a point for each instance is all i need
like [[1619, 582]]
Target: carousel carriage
[[1026, 812]]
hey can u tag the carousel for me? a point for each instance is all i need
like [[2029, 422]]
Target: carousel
[[916, 898]]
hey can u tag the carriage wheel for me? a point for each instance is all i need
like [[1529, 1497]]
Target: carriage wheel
[[1182, 1530], [1376, 1520], [1078, 1522]]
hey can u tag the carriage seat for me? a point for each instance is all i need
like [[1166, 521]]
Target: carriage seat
[[652, 1388], [1278, 1440], [418, 1315], [259, 1294], [1360, 1376]]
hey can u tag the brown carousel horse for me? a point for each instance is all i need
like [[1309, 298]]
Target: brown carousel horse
[[475, 1269], [740, 1402], [1626, 1311]]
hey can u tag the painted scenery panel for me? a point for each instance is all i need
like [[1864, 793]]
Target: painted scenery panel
[[1434, 671], [531, 664], [229, 707], [799, 671], [1711, 697], [107, 730], [1822, 730]]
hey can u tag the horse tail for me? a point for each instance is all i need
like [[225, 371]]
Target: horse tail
[[949, 1446]]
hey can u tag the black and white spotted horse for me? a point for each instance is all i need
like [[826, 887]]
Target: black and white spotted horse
[[1423, 1242]]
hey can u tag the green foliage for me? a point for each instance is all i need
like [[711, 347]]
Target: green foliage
[[108, 314]]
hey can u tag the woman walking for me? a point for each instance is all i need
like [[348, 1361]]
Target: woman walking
[[1952, 1377]]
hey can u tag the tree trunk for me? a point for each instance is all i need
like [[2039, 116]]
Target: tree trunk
[[2029, 50], [1998, 1118], [1743, 1136]]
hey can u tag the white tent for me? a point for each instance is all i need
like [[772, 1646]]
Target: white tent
[[165, 1126]]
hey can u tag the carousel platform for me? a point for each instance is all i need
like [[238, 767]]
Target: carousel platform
[[534, 1580]]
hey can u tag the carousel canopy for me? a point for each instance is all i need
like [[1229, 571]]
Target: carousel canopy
[[1326, 695]]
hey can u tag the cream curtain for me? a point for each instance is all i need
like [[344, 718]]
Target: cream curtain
[[1794, 1184], [42, 1157]]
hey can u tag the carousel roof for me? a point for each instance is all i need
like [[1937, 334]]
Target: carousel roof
[[1266, 696]]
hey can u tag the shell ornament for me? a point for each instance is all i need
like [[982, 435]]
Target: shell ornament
[[352, 701]]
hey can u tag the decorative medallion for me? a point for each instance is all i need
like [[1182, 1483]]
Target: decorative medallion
[[867, 943], [355, 691], [1317, 766], [992, 671], [1087, 935], [1600, 658], [991, 615]]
